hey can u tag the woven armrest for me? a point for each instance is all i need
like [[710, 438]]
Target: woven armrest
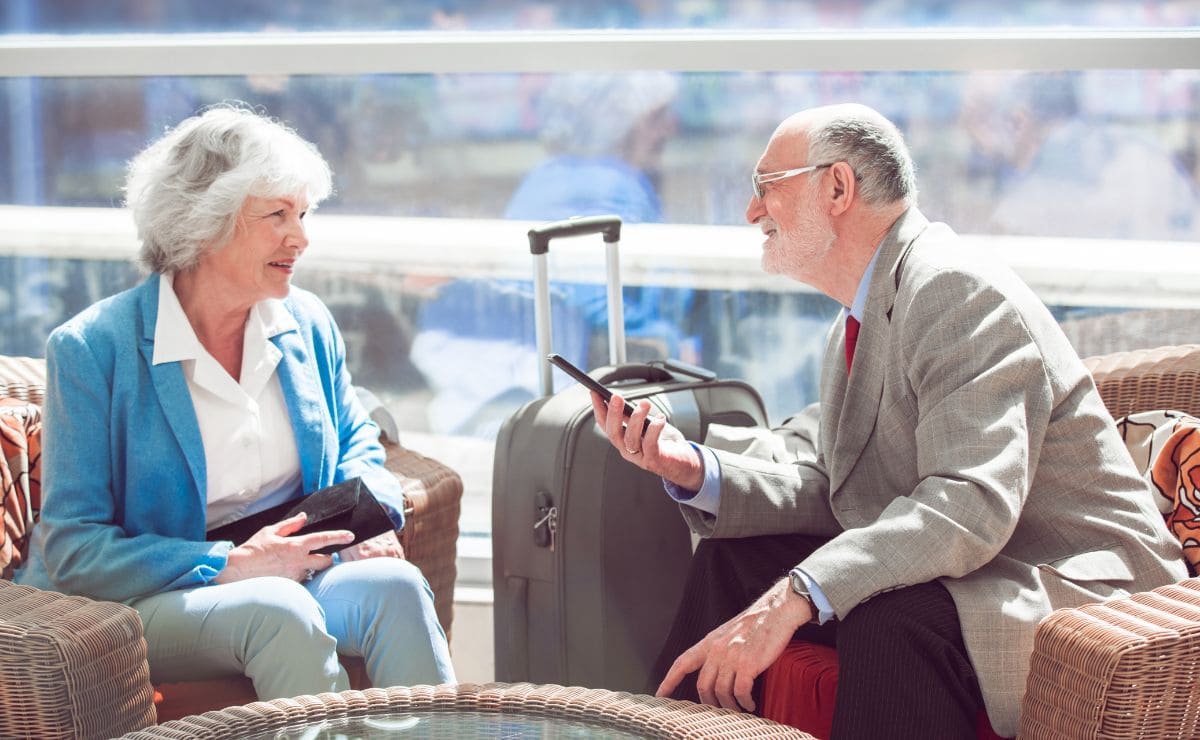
[[1125, 668], [430, 536], [23, 378], [1148, 380], [70, 666]]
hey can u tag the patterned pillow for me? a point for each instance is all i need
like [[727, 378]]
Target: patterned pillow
[[1166, 448], [20, 478]]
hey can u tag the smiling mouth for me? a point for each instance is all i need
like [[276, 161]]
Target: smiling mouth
[[283, 265]]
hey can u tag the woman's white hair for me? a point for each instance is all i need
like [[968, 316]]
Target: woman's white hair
[[187, 188]]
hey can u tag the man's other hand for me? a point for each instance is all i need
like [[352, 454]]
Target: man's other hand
[[730, 657]]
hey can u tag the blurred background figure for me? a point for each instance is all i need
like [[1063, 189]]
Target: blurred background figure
[[1058, 172], [605, 134]]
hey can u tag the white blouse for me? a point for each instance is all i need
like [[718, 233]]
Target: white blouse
[[250, 455]]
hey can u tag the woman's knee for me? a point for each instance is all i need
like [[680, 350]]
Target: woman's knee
[[277, 602]]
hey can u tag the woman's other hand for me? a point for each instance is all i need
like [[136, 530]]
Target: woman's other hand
[[272, 551], [385, 545]]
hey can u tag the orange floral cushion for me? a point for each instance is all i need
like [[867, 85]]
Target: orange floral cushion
[[20, 478], [1166, 447]]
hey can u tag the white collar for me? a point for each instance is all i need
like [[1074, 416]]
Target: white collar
[[175, 339]]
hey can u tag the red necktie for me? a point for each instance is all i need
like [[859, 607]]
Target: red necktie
[[851, 339]]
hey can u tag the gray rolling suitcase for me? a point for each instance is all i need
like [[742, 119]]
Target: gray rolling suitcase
[[589, 552]]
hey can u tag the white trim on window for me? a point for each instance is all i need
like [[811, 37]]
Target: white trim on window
[[326, 53]]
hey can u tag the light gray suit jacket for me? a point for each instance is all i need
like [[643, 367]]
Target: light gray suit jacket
[[969, 445]]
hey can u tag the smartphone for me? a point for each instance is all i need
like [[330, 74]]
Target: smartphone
[[590, 383]]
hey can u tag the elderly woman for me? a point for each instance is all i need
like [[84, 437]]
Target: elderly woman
[[211, 391]]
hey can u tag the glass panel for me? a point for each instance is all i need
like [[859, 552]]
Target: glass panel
[[1104, 154], [996, 152], [71, 16]]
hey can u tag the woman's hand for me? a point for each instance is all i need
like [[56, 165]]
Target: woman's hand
[[661, 449], [273, 552], [384, 545]]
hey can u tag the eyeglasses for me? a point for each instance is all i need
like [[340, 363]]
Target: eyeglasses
[[757, 180]]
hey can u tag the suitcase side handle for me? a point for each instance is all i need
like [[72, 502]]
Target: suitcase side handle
[[540, 236]]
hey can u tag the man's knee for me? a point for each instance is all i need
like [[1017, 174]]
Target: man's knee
[[911, 614]]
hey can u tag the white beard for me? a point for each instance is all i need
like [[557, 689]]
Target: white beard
[[801, 250]]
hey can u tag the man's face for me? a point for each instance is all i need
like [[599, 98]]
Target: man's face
[[799, 232]]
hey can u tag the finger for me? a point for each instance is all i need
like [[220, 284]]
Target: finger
[[318, 562], [743, 690], [290, 525], [600, 410], [653, 434], [318, 540], [706, 681], [723, 688], [633, 428], [688, 661], [614, 422]]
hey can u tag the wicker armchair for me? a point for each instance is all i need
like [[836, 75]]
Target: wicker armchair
[[1128, 667], [73, 667]]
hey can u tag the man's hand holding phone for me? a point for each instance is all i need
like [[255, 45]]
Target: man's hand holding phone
[[661, 449], [650, 443]]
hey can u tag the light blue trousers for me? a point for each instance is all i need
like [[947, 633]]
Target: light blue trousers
[[285, 636]]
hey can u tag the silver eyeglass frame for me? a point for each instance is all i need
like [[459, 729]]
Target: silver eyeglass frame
[[757, 180]]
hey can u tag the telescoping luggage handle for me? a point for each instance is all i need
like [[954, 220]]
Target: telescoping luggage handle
[[539, 246]]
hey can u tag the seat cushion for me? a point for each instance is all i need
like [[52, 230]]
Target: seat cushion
[[1165, 446], [20, 478], [800, 688]]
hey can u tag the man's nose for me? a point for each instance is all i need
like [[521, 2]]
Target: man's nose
[[755, 209]]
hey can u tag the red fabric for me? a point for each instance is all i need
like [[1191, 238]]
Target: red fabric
[[799, 689], [851, 339], [801, 686]]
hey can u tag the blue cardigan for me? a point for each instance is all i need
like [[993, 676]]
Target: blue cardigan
[[124, 485]]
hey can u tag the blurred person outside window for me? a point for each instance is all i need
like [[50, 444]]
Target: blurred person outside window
[[1058, 172], [605, 134]]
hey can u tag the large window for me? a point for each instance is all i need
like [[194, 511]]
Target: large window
[[1081, 172]]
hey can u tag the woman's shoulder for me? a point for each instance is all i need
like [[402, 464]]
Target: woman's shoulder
[[310, 312], [113, 317]]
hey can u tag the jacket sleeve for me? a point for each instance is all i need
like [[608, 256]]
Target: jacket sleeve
[[89, 445], [772, 481]]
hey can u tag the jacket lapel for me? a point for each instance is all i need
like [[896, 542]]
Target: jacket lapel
[[171, 388], [849, 422], [301, 388]]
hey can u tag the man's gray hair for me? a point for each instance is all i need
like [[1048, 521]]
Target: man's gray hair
[[187, 188], [874, 149]]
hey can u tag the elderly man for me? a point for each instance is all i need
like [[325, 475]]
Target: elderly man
[[960, 479]]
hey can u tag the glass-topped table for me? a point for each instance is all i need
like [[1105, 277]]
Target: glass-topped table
[[495, 710], [422, 725]]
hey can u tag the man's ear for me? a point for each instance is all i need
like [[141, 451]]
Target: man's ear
[[844, 187]]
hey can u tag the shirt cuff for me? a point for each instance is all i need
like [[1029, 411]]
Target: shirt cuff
[[708, 498], [824, 608]]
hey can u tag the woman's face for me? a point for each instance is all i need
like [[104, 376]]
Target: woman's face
[[258, 262]]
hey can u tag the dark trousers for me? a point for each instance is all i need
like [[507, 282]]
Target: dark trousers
[[903, 670]]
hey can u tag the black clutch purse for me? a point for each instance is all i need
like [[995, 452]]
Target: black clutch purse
[[347, 505]]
